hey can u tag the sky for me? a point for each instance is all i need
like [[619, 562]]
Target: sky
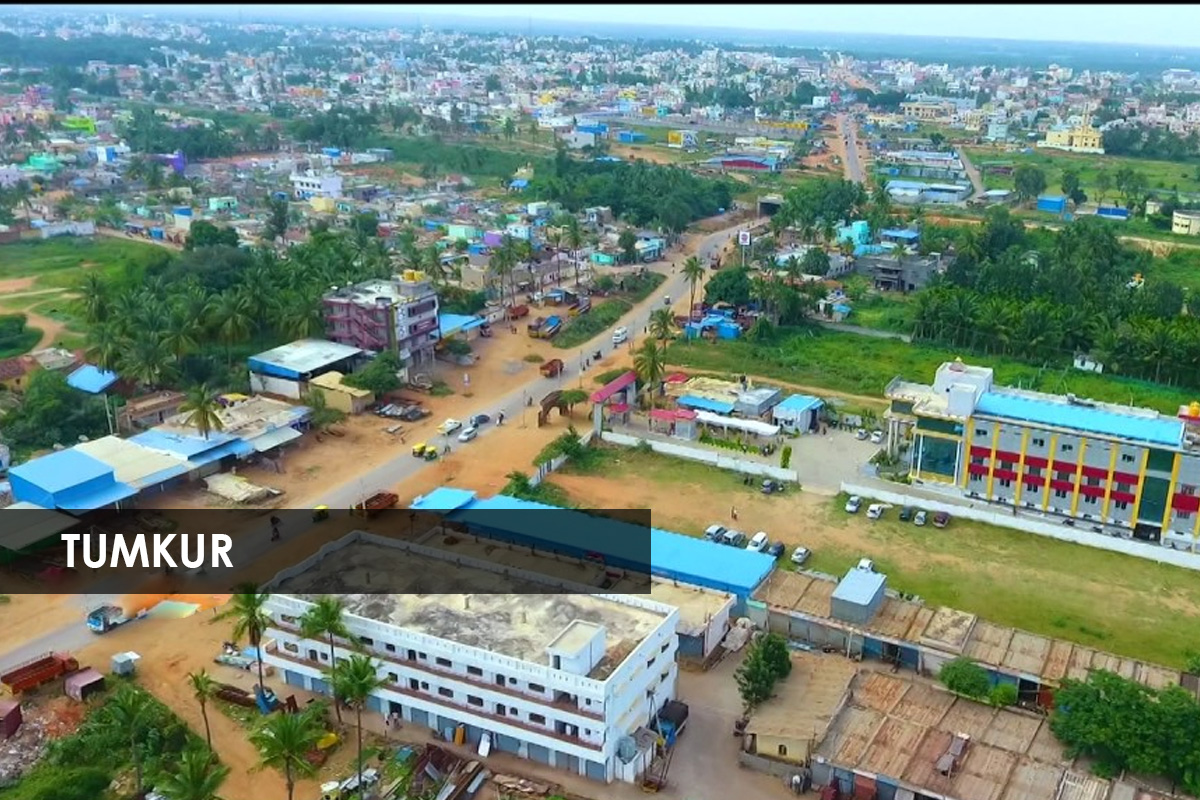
[[1153, 24]]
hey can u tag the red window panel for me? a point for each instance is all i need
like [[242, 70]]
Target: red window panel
[[1091, 491], [1065, 466], [1062, 486], [1122, 497], [977, 469], [1036, 461], [1186, 502], [1008, 455], [981, 452], [1035, 481], [1095, 472], [1125, 477], [1004, 474]]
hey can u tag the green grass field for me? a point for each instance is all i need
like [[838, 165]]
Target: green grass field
[[1114, 602], [1164, 175], [863, 365], [57, 263]]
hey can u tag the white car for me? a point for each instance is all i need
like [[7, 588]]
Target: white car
[[877, 437], [800, 555], [758, 542], [468, 434], [853, 504], [866, 565], [449, 426], [875, 511], [620, 335], [919, 519]]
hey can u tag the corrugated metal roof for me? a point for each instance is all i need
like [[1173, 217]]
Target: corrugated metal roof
[[859, 587], [31, 525], [1155, 430], [57, 472], [796, 404], [134, 464], [704, 404], [90, 379], [273, 439]]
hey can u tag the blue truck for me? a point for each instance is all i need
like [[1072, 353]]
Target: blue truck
[[105, 618]]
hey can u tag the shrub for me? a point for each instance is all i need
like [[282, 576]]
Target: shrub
[[785, 456], [1004, 694], [964, 676]]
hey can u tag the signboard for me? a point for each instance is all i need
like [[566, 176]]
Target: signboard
[[744, 238]]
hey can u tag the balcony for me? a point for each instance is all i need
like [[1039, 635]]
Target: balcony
[[453, 709], [562, 701]]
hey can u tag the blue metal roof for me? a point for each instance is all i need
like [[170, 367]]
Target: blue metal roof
[[896, 233], [443, 498], [519, 183], [704, 404], [450, 324], [1154, 430], [859, 587], [89, 498], [799, 403], [61, 471], [92, 380], [195, 449]]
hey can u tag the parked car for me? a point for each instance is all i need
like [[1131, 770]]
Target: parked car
[[758, 542], [713, 533], [866, 565], [906, 513], [877, 437], [941, 519], [800, 555], [620, 335], [775, 550], [478, 420], [449, 426], [919, 519], [861, 433], [853, 504], [468, 433], [875, 511], [733, 538]]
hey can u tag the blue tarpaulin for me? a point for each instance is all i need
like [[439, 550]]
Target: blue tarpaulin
[[90, 379]]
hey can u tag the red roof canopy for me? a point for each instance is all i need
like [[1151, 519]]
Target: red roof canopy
[[610, 389]]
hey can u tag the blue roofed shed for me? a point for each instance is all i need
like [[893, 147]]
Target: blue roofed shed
[[705, 404], [90, 379], [68, 479], [858, 596], [797, 412], [450, 324]]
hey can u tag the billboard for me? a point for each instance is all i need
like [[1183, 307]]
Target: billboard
[[682, 139], [744, 238]]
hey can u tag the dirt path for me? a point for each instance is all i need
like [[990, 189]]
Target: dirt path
[[36, 293], [645, 153], [15, 285], [115, 234], [51, 329]]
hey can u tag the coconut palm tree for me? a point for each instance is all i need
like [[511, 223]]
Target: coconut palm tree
[[355, 680], [196, 777], [250, 619], [232, 320], [202, 408], [693, 273], [129, 710], [204, 688], [105, 345], [325, 619], [284, 742], [662, 325], [146, 359], [648, 363]]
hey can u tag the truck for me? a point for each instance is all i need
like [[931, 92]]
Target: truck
[[582, 306], [517, 312], [552, 327], [376, 503], [39, 671], [105, 618]]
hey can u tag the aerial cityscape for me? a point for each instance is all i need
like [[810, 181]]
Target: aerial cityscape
[[850, 365]]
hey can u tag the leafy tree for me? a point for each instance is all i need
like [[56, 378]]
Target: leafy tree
[[491, 84], [366, 224], [755, 679], [247, 610], [201, 406], [1071, 186], [354, 681], [1029, 182], [130, 711], [321, 415], [815, 262], [775, 653], [729, 286], [204, 688], [284, 741], [51, 412], [964, 676], [277, 219], [379, 377], [326, 619], [627, 241], [662, 325], [196, 777], [1003, 694], [649, 365], [203, 233], [693, 273], [1104, 183]]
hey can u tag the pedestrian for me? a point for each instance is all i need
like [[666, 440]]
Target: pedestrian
[[734, 510], [446, 449], [466, 379]]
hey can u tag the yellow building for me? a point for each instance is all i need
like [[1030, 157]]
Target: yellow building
[[323, 205], [1083, 139], [338, 395]]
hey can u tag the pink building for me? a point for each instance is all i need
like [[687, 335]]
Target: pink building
[[400, 315]]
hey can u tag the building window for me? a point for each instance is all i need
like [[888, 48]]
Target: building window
[[444, 692], [1067, 448], [393, 677], [650, 663], [422, 656], [537, 687], [391, 648], [414, 684], [1123, 487], [291, 647], [537, 719], [1126, 458], [1060, 494], [1183, 516], [444, 662], [287, 619], [783, 749], [474, 671], [366, 641], [475, 701], [1039, 442], [666, 644], [1122, 505], [1090, 500], [1185, 489], [1005, 483]]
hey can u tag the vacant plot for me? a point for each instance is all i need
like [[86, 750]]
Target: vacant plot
[[1164, 175], [59, 263], [863, 365], [1122, 604]]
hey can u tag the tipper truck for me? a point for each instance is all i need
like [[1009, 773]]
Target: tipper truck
[[105, 618], [33, 674]]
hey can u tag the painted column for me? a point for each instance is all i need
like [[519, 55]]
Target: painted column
[[1049, 471], [1166, 520], [1112, 468], [992, 459], [1021, 468], [1137, 497], [1083, 443], [970, 428]]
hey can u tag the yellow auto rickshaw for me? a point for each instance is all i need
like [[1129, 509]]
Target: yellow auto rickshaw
[[418, 450], [320, 513]]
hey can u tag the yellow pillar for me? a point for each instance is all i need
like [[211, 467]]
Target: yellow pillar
[[966, 476], [992, 458], [1049, 471], [1021, 467], [1078, 476], [1112, 468], [1171, 490], [1137, 496]]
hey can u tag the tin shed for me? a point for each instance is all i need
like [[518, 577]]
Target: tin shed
[[83, 684], [10, 718]]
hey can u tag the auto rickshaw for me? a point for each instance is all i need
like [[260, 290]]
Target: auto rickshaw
[[419, 449], [320, 513]]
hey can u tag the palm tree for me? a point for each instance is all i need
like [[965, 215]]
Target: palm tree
[[355, 680], [232, 320], [693, 273], [196, 778], [146, 359], [325, 619], [182, 332], [250, 619], [93, 298], [105, 345], [648, 363], [284, 742], [204, 688], [129, 710], [202, 408], [662, 324]]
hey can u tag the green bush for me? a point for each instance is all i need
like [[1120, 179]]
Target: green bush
[[1004, 694], [587, 326], [785, 456], [964, 676]]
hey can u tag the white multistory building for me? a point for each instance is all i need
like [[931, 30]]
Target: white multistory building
[[562, 679]]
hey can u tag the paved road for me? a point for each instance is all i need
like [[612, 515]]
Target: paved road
[[68, 638], [712, 126], [849, 130]]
